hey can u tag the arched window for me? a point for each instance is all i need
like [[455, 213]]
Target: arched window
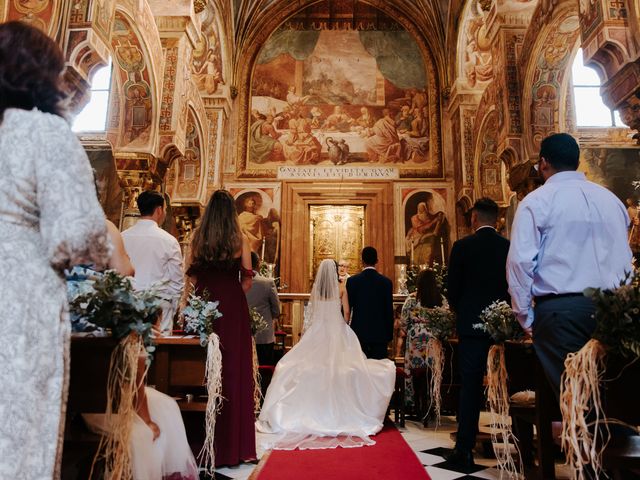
[[93, 117], [590, 109]]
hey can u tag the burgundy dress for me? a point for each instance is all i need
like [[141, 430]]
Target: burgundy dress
[[235, 438]]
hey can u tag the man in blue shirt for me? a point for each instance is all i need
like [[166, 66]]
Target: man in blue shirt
[[568, 235]]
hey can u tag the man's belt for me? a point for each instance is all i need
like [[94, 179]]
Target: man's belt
[[554, 296]]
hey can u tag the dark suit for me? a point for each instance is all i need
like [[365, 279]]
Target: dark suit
[[477, 277], [371, 301]]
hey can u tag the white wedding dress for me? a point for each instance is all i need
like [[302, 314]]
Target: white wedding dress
[[325, 393]]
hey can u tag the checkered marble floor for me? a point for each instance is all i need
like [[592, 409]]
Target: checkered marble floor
[[429, 444]]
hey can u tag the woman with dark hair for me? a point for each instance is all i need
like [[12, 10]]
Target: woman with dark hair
[[220, 267], [414, 327], [50, 220]]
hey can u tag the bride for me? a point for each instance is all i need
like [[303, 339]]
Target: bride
[[325, 393]]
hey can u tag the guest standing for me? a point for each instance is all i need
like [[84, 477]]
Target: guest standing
[[370, 296], [414, 327], [263, 296], [156, 255], [50, 219], [221, 268], [567, 235], [476, 279]]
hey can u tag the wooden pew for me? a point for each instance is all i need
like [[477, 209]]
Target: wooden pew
[[89, 369]]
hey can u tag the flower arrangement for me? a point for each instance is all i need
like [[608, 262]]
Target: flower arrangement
[[440, 322], [109, 301], [440, 325], [499, 321], [199, 315], [618, 317], [617, 333], [258, 323]]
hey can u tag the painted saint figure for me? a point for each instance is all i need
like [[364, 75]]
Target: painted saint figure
[[424, 236]]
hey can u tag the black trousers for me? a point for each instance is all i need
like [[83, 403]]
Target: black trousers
[[265, 353], [472, 363], [561, 326], [376, 350]]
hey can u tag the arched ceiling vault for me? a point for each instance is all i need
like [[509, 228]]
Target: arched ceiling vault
[[252, 18]]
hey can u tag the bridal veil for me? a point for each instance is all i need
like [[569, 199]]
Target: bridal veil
[[325, 393]]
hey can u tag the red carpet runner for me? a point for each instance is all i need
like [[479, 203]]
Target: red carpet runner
[[391, 458]]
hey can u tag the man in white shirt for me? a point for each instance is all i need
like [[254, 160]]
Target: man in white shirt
[[567, 235], [155, 255]]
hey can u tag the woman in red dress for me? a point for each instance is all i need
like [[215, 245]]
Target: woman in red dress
[[221, 269]]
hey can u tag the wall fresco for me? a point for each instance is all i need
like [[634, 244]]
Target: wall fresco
[[340, 88]]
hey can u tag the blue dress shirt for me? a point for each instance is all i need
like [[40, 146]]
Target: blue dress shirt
[[567, 235]]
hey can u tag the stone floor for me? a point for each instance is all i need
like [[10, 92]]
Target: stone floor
[[428, 443]]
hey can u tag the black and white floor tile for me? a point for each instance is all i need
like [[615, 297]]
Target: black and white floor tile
[[429, 444]]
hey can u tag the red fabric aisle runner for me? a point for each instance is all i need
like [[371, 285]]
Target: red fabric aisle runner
[[391, 458]]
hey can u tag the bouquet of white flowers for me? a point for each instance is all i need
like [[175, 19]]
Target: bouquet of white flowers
[[440, 322], [199, 315], [499, 321]]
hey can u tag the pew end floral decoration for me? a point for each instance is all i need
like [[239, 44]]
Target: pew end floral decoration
[[499, 321], [108, 301], [440, 325], [258, 324], [199, 315], [617, 334]]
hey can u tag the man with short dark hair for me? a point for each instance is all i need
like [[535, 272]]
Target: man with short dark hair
[[371, 302], [476, 278], [155, 254], [263, 295], [567, 235]]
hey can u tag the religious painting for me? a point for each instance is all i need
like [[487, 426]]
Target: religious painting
[[489, 165], [613, 168], [184, 180], [590, 16], [39, 13], [422, 223], [206, 64], [551, 68], [135, 78], [107, 183], [342, 83], [259, 217]]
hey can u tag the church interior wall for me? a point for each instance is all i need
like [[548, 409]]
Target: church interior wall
[[195, 84]]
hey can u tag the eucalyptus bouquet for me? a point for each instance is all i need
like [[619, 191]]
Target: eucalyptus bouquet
[[199, 315], [618, 316], [440, 322], [109, 301], [258, 323], [499, 321]]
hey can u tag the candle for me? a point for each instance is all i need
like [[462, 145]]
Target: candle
[[411, 260], [262, 256], [444, 262]]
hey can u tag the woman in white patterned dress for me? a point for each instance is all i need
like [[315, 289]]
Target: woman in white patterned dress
[[50, 219]]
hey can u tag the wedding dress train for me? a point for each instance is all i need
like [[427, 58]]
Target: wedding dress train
[[325, 393]]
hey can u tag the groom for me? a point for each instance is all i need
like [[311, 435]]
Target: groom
[[371, 301]]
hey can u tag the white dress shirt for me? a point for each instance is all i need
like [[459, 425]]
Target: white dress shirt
[[568, 235], [156, 257]]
